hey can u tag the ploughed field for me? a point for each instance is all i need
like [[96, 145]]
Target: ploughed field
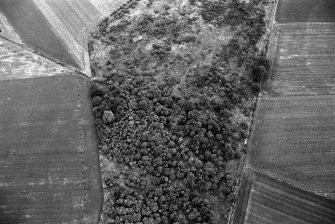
[[48, 162], [173, 104], [304, 61], [293, 140], [266, 200], [34, 30]]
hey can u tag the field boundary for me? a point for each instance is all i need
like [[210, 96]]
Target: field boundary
[[243, 164]]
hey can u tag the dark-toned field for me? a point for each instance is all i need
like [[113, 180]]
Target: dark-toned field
[[305, 59], [305, 11], [34, 30], [294, 140], [48, 161], [265, 200]]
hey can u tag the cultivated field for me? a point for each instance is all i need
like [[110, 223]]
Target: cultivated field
[[265, 200], [75, 15], [18, 63], [293, 139], [48, 159], [304, 63], [72, 20], [305, 11], [34, 29]]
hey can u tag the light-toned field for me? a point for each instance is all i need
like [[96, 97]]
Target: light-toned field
[[293, 139], [304, 62], [49, 170], [18, 63], [305, 11], [265, 200], [107, 6]]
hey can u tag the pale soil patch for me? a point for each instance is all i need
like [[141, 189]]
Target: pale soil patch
[[17, 63]]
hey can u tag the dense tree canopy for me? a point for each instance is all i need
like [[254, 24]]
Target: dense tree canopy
[[169, 122]]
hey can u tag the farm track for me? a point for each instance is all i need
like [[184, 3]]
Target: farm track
[[292, 139]]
